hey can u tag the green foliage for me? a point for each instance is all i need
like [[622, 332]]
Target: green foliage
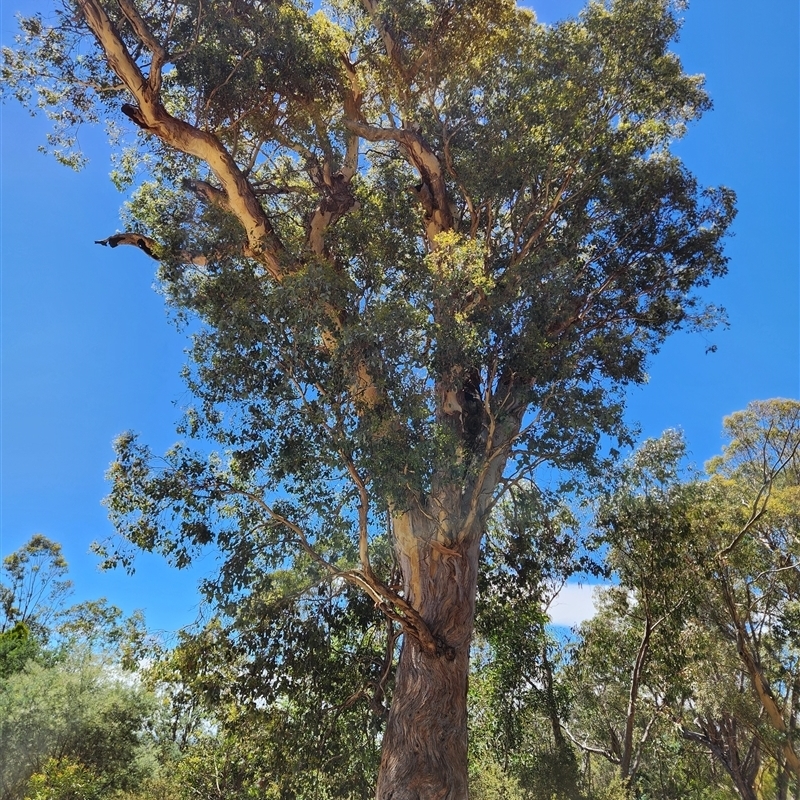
[[17, 647], [285, 694], [64, 779], [689, 652], [72, 709], [615, 789], [424, 249], [35, 614], [34, 585], [488, 781], [72, 720], [556, 143], [658, 694], [517, 703], [258, 753]]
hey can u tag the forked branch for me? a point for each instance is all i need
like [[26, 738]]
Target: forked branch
[[149, 114], [393, 605]]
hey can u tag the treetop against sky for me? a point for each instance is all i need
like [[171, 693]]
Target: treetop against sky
[[424, 252]]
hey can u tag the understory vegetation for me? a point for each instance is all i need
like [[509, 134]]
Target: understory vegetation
[[684, 684]]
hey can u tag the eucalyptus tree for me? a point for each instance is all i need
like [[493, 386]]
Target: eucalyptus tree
[[741, 699], [752, 534], [70, 716], [35, 586], [699, 639], [626, 664], [532, 546], [427, 245]]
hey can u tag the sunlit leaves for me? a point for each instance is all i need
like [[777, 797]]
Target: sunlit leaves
[[448, 303]]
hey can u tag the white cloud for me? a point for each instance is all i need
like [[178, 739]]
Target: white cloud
[[574, 604]]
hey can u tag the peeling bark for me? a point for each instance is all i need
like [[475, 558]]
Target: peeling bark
[[424, 753]]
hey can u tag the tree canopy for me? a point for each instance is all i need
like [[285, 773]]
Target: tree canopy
[[424, 246], [696, 638]]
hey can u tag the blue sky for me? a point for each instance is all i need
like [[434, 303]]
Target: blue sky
[[88, 351]]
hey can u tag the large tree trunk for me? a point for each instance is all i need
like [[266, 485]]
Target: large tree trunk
[[425, 745]]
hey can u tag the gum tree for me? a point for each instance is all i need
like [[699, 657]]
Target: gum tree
[[699, 640], [426, 244], [751, 521]]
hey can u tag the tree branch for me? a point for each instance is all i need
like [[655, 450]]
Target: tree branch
[[207, 193], [760, 683], [587, 748], [150, 114], [393, 50], [144, 243], [390, 602], [145, 36], [151, 247], [633, 697], [438, 216]]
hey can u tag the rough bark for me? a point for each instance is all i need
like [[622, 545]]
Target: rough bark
[[425, 745], [424, 754]]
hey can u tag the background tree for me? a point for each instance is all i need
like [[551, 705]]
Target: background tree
[[292, 705], [750, 523], [426, 245], [34, 585], [646, 528], [534, 544], [72, 722], [72, 713], [695, 641], [17, 647]]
